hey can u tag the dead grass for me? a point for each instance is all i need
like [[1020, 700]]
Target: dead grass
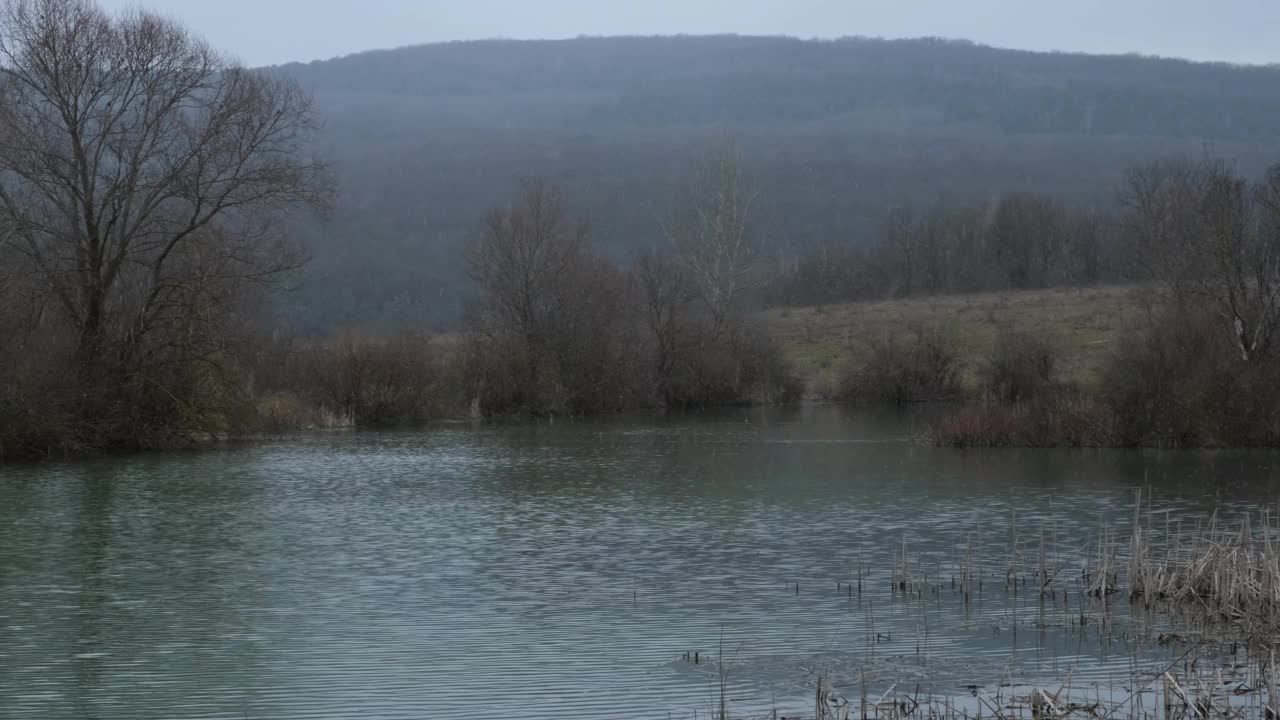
[[1211, 591], [1230, 572], [1082, 323]]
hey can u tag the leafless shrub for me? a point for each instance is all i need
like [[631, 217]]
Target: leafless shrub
[[1176, 384], [922, 365], [764, 376], [375, 381], [38, 416], [1061, 418], [1021, 367]]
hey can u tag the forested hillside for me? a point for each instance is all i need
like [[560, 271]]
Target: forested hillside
[[424, 140]]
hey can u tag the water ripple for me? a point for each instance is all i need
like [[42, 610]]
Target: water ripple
[[553, 572]]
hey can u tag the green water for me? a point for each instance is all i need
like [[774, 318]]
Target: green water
[[555, 571]]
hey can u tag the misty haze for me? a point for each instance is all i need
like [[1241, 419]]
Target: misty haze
[[812, 360]]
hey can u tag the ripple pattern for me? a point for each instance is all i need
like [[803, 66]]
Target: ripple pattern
[[556, 572]]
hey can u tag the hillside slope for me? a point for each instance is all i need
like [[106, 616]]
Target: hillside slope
[[1083, 325], [425, 139]]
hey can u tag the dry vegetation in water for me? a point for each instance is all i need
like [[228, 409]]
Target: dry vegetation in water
[[1209, 588], [1167, 695]]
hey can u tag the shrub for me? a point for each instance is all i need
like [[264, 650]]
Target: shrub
[[1180, 383], [1177, 383], [765, 376], [1062, 418], [1020, 368], [982, 425], [925, 366], [364, 380], [52, 404], [286, 412]]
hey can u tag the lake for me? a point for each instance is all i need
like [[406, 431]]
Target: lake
[[565, 570]]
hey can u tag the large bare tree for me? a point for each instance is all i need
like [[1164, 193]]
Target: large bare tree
[[140, 170]]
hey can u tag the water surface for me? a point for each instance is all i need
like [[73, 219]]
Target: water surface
[[559, 571]]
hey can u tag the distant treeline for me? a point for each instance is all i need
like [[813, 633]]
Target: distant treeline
[[1021, 241]]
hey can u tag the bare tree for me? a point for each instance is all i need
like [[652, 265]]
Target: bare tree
[[1210, 236], [526, 249], [710, 231], [666, 294], [933, 247], [1084, 241], [1027, 239], [900, 240], [543, 296], [140, 167], [1162, 200], [966, 233]]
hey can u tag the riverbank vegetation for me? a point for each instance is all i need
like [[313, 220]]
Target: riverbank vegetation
[[1202, 370], [1184, 356], [143, 178], [149, 193], [145, 187], [557, 329], [562, 330]]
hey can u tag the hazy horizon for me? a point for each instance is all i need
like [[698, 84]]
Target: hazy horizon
[[281, 31]]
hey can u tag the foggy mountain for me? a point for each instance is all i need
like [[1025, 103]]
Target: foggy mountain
[[424, 140]]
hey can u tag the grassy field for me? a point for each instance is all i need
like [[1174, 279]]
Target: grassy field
[[1083, 323]]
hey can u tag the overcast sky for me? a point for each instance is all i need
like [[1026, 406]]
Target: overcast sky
[[263, 32]]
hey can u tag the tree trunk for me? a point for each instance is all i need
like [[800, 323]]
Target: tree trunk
[[89, 345]]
